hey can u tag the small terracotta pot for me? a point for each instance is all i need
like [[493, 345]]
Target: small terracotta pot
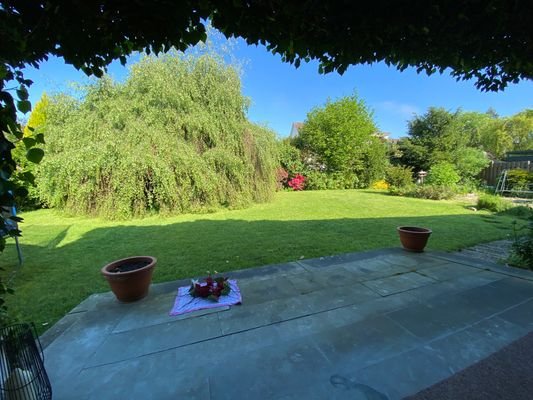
[[414, 238], [131, 285]]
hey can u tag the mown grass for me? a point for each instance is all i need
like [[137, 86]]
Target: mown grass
[[63, 255]]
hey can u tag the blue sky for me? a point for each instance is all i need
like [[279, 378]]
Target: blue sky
[[282, 94]]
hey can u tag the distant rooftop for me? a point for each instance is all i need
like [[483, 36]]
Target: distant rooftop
[[295, 129]]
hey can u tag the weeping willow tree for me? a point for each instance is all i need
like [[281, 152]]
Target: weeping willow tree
[[172, 138]]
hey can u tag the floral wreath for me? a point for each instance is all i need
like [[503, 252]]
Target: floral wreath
[[211, 288]]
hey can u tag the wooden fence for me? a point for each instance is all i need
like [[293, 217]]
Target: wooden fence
[[493, 171]]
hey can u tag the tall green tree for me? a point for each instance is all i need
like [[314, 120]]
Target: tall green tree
[[499, 135], [33, 130], [474, 125], [341, 135], [430, 139], [520, 128], [38, 116], [440, 136], [172, 138], [496, 140]]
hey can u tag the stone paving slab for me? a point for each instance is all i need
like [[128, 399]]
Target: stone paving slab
[[521, 315], [259, 291], [442, 314], [283, 367], [399, 283], [155, 338], [395, 377], [460, 258], [447, 271], [377, 268], [156, 314], [375, 325], [335, 276], [474, 342], [457, 285], [365, 342], [246, 317], [163, 376]]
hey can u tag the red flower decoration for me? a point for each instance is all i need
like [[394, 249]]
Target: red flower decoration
[[211, 288], [202, 291]]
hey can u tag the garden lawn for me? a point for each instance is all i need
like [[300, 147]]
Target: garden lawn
[[63, 255]]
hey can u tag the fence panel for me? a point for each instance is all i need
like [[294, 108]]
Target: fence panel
[[493, 171]]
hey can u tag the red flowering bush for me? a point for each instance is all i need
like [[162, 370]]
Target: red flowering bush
[[297, 182]]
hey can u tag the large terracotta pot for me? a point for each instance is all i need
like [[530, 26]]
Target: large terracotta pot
[[133, 282], [414, 238]]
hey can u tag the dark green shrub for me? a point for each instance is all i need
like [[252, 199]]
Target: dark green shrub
[[317, 180], [522, 248], [469, 162], [343, 180], [520, 212], [468, 186], [519, 179], [398, 176], [402, 190], [290, 158], [443, 174], [375, 163], [433, 192], [492, 203]]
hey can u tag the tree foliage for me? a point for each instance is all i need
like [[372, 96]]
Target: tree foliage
[[509, 134], [172, 138], [290, 157], [520, 128], [33, 131], [37, 117], [440, 136], [336, 34], [340, 135], [399, 176], [465, 139], [443, 174]]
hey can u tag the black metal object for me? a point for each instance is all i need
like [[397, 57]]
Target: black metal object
[[22, 372], [10, 224]]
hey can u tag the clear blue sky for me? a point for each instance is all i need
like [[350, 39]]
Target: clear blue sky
[[282, 94]]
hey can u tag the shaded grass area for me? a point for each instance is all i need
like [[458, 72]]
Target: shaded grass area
[[63, 255]]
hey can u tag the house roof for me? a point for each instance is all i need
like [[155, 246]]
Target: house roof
[[295, 129]]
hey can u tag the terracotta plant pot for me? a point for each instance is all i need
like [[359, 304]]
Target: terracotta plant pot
[[133, 281], [414, 238]]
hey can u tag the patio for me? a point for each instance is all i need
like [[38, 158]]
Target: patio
[[376, 325]]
